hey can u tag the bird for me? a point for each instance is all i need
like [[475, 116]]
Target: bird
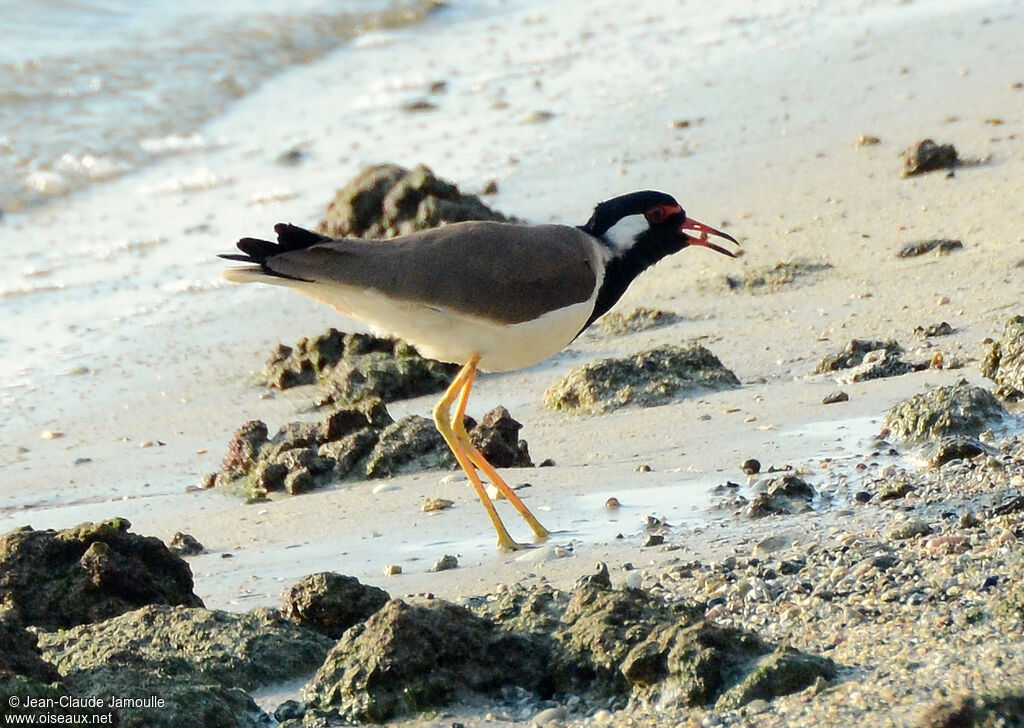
[[490, 296]]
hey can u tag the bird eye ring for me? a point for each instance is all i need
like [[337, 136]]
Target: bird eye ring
[[655, 215]]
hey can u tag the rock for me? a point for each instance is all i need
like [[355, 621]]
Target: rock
[[943, 245], [835, 397], [639, 319], [184, 544], [879, 364], [689, 664], [894, 490], [244, 449], [59, 579], [196, 662], [939, 329], [780, 673], [959, 409], [497, 439], [389, 375], [549, 717], [330, 603], [910, 528], [233, 650], [412, 443], [770, 279], [304, 363], [926, 156], [19, 656], [751, 466], [357, 439], [970, 711], [786, 494], [853, 355], [445, 563], [354, 367], [956, 447], [431, 505], [1004, 361], [386, 200], [649, 378], [411, 657]]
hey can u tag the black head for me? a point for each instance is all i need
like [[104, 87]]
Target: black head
[[639, 229], [650, 224]]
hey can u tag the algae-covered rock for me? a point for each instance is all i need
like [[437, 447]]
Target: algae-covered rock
[[1004, 361], [411, 657], [927, 156], [780, 673], [19, 652], [977, 711], [853, 354], [649, 378], [386, 200], [331, 603], [357, 440], [412, 443], [94, 571], [785, 494], [497, 439], [184, 667], [958, 409], [597, 636], [693, 663], [24, 673], [185, 544], [304, 363], [772, 278], [944, 246], [199, 645], [605, 646], [955, 447], [390, 375], [878, 364], [352, 367], [641, 318]]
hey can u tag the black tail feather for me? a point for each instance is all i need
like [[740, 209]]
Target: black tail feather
[[289, 238], [292, 237]]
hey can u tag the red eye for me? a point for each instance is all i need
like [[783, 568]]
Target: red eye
[[655, 215]]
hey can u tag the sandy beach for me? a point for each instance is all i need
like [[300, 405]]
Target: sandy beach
[[753, 122]]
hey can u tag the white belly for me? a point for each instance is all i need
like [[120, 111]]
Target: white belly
[[453, 337]]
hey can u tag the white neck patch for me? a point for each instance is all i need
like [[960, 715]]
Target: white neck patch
[[622, 235]]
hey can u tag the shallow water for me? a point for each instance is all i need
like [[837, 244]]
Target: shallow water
[[92, 91]]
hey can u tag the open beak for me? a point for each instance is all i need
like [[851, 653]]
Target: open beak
[[705, 231]]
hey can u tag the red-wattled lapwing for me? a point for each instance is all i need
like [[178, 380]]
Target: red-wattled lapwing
[[487, 295]]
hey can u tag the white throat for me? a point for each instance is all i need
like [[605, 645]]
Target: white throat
[[622, 235]]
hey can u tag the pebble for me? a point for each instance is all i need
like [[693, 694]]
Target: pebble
[[436, 504], [751, 467], [550, 716], [50, 435], [834, 397], [445, 563], [392, 570], [612, 503], [544, 553], [384, 487]]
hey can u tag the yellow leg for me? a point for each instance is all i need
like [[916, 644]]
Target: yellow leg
[[442, 419], [477, 458]]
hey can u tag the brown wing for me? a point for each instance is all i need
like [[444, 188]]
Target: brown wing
[[498, 271]]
